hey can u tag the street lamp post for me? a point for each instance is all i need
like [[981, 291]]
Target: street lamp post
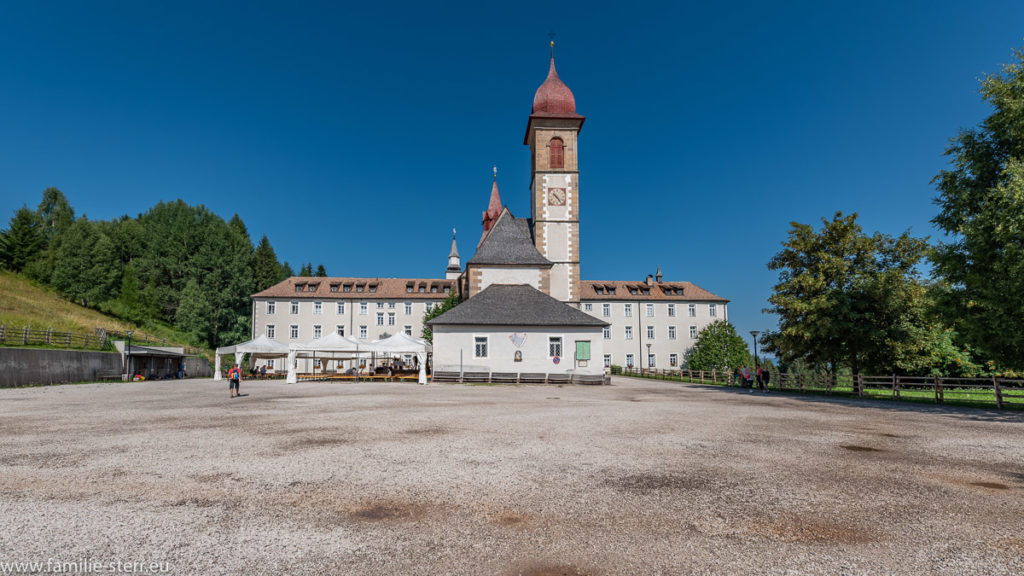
[[128, 358], [648, 356]]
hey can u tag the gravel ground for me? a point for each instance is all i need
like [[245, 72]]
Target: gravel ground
[[641, 477]]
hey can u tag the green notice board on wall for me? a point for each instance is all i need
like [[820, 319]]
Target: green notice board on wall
[[583, 349]]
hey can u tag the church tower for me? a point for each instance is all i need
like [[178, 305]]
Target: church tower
[[552, 134], [454, 269]]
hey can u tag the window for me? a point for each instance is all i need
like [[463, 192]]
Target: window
[[362, 331], [362, 308], [373, 287], [650, 310], [334, 287], [341, 307], [673, 360], [293, 332], [606, 310], [629, 332], [693, 310], [299, 287], [295, 307], [712, 310], [429, 306], [340, 329], [270, 331], [391, 318], [380, 318], [380, 305], [671, 310], [629, 360], [391, 305], [317, 331], [693, 332], [359, 287], [318, 307], [271, 307], [347, 288], [627, 309], [408, 288], [407, 330], [588, 307], [652, 360], [270, 364], [447, 289], [480, 347], [671, 332], [607, 360], [556, 154], [554, 346], [650, 332], [408, 308], [607, 332]]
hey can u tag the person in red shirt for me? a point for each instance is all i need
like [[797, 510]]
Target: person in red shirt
[[234, 379]]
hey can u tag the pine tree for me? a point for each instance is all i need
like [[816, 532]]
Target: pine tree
[[321, 272], [22, 241]]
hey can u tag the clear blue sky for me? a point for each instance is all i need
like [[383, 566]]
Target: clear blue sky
[[359, 135]]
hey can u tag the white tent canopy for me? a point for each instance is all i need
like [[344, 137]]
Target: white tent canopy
[[331, 343], [402, 343], [261, 346]]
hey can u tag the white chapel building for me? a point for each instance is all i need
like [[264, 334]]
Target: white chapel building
[[523, 305]]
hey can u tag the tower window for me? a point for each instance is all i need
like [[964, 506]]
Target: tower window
[[555, 156]]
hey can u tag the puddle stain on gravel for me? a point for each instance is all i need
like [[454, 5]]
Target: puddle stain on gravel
[[428, 431], [644, 483], [550, 570], [387, 511], [992, 485], [812, 530], [858, 448], [510, 519]]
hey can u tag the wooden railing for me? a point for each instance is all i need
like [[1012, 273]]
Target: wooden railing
[[98, 339], [994, 391]]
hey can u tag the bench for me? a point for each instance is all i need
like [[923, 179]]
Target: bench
[[109, 375], [591, 379], [559, 378], [439, 376], [504, 377], [533, 378]]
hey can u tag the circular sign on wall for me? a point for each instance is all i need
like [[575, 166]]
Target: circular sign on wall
[[556, 359]]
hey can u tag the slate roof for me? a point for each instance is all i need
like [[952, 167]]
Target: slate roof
[[336, 288], [622, 290], [509, 243], [515, 305]]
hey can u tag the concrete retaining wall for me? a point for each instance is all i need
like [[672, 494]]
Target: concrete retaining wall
[[33, 366]]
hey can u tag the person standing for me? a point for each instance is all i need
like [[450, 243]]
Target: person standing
[[766, 377], [760, 381], [234, 379]]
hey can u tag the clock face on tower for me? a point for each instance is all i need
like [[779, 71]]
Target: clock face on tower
[[556, 196]]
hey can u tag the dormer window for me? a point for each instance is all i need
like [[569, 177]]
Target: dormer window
[[611, 290], [299, 287], [334, 287], [555, 154], [433, 289], [423, 288], [348, 287], [359, 287], [373, 287], [408, 288], [447, 289]]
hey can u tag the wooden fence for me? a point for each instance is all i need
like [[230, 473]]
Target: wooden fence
[[98, 339], [989, 391]]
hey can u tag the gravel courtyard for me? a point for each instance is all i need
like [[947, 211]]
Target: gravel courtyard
[[640, 477]]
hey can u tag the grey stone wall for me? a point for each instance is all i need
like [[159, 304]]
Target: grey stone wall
[[33, 366]]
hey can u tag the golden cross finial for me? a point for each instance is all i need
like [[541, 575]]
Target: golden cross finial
[[495, 172]]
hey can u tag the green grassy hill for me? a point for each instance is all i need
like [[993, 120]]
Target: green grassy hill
[[24, 303]]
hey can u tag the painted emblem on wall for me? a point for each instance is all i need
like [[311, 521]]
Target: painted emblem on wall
[[518, 339], [518, 356]]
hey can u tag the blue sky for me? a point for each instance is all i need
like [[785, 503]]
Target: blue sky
[[359, 136]]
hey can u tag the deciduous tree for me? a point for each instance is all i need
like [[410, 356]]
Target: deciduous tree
[[718, 347]]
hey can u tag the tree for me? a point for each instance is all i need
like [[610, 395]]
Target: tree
[[306, 270], [450, 302], [718, 347], [981, 209], [266, 269], [22, 240], [321, 272], [847, 299], [286, 270], [56, 218]]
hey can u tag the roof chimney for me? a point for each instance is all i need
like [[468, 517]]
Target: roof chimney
[[657, 276], [650, 280]]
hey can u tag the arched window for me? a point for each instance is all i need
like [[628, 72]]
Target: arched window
[[555, 156]]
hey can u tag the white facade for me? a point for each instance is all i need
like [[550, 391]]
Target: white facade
[[672, 326], [460, 346]]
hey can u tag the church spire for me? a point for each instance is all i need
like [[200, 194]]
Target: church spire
[[490, 216], [454, 264]]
